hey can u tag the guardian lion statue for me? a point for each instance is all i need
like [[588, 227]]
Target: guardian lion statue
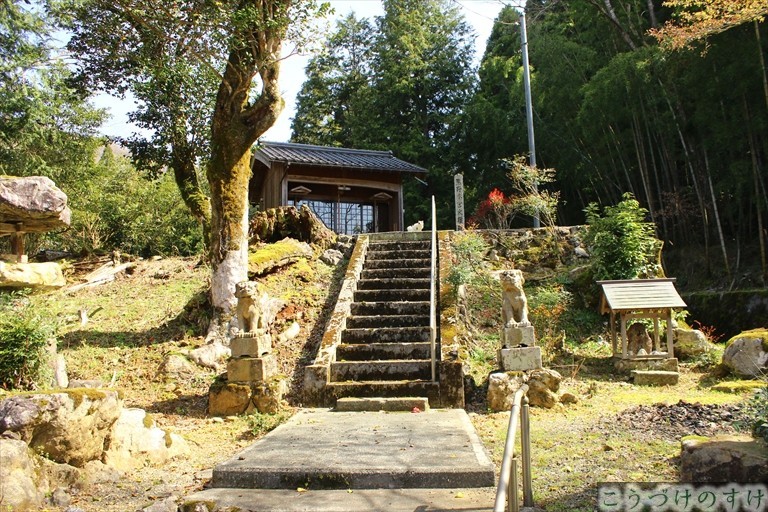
[[249, 317], [514, 306]]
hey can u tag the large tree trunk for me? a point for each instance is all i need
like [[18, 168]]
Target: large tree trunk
[[236, 125]]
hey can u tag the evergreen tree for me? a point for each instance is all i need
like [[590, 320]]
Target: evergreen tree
[[423, 79], [332, 102]]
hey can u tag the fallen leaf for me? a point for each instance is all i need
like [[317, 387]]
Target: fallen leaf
[[301, 489], [459, 495]]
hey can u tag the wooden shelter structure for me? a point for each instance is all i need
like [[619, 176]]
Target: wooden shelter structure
[[351, 190], [652, 299]]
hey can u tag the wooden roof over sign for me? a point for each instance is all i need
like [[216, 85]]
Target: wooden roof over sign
[[639, 294]]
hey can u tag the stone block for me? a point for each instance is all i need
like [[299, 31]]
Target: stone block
[[520, 359], [723, 459], [666, 364], [251, 344], [227, 398], [251, 369], [451, 384], [654, 378], [514, 336], [267, 398]]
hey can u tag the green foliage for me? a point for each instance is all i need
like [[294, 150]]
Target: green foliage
[[119, 208], [401, 87], [469, 248], [24, 336], [46, 125], [621, 242], [261, 423], [755, 413]]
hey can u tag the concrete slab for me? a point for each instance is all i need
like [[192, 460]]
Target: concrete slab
[[322, 449], [359, 500]]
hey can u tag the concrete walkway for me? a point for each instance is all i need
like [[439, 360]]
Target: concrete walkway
[[356, 461]]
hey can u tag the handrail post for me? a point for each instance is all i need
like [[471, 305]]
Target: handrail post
[[433, 292], [512, 498], [525, 442], [508, 461]]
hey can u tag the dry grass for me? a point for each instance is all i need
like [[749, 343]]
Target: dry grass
[[160, 309], [576, 447]]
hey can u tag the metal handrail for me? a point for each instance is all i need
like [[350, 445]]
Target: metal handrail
[[433, 293], [506, 492]]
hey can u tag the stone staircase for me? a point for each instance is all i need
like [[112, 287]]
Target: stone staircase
[[385, 348]]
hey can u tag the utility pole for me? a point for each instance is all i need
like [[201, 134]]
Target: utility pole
[[528, 102]]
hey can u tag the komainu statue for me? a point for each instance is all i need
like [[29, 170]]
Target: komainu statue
[[248, 312], [514, 306]]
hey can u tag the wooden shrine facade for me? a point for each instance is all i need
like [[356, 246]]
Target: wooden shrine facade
[[351, 190]]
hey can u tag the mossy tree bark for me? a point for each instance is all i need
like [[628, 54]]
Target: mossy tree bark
[[236, 125]]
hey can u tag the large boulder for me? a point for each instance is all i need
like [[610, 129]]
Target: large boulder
[[41, 276], [746, 354], [34, 201], [266, 258], [18, 476], [501, 390], [690, 343], [135, 439], [543, 385], [69, 427], [739, 459]]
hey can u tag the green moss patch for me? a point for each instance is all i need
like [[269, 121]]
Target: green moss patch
[[738, 386]]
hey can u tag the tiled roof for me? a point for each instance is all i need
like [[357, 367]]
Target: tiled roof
[[323, 156], [637, 294]]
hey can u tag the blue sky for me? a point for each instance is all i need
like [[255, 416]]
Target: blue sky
[[480, 14]]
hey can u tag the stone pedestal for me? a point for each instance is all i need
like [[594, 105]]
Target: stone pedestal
[[251, 344], [520, 359], [515, 336], [251, 369]]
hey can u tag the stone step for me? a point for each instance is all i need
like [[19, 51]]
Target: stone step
[[655, 378], [400, 245], [386, 335], [387, 388], [378, 351], [340, 500], [391, 404], [402, 262], [390, 273], [391, 295], [398, 369], [355, 322], [399, 283], [320, 449], [389, 308], [374, 255]]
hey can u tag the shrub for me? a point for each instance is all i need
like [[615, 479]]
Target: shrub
[[24, 335], [117, 207], [756, 413], [469, 249], [621, 243]]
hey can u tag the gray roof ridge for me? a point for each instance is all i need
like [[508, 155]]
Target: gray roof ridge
[[328, 148]]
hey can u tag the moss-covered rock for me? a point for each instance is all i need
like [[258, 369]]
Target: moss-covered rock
[[287, 221], [268, 257], [738, 386], [747, 353]]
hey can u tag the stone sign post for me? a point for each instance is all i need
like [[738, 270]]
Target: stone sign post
[[458, 190]]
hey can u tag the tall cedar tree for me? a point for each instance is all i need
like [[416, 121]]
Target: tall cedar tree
[[406, 95]]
